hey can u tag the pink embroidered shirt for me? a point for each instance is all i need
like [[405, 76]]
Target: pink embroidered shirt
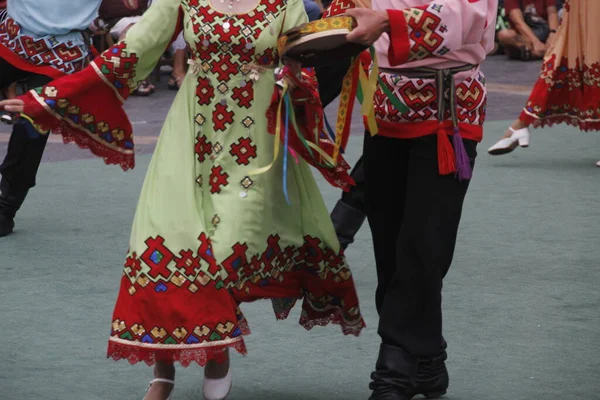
[[438, 34]]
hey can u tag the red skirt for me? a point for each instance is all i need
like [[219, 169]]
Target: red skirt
[[568, 89]]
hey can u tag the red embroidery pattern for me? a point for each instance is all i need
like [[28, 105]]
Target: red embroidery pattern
[[224, 45], [133, 264], [120, 69], [338, 7], [565, 94], [224, 68], [157, 257], [244, 95], [426, 31], [218, 178], [420, 95], [202, 148], [158, 265], [138, 336], [222, 117], [204, 91], [66, 57], [243, 150]]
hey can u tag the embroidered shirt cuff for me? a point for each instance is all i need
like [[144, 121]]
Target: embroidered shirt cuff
[[399, 49]]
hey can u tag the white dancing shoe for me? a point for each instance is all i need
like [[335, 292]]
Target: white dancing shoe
[[164, 381], [598, 164], [217, 389], [519, 137]]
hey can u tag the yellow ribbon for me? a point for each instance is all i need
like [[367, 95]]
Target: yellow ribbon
[[343, 109], [277, 140], [369, 86]]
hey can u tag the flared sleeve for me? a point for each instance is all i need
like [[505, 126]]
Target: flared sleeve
[[87, 107]]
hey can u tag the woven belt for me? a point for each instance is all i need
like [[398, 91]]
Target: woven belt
[[452, 158], [444, 82]]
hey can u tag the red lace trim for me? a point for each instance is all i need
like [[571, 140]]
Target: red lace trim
[[148, 355], [333, 316], [560, 119], [84, 105], [185, 357], [83, 141]]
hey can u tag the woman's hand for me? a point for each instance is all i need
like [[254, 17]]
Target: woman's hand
[[296, 70], [13, 105]]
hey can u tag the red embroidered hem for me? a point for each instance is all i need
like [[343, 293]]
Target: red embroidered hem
[[135, 352], [564, 94], [20, 63]]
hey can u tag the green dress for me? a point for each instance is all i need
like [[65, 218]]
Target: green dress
[[210, 232]]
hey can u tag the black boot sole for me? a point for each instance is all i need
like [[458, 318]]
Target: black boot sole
[[6, 228], [432, 395]]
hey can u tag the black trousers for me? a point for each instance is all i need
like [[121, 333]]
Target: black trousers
[[414, 215], [26, 147]]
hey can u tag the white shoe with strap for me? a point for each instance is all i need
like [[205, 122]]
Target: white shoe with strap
[[217, 389], [172, 382], [519, 137]]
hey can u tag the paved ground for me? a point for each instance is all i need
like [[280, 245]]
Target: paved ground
[[521, 299]]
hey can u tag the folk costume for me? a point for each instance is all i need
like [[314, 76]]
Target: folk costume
[[567, 90], [37, 44], [221, 219], [429, 109]]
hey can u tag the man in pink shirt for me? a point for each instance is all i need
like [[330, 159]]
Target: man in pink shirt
[[430, 109]]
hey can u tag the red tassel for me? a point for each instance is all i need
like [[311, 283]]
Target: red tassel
[[446, 160]]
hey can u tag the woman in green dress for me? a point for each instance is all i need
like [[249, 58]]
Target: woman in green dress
[[213, 227]]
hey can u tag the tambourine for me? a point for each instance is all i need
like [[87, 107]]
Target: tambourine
[[320, 42]]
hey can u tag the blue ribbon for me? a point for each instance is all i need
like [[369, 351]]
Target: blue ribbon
[[286, 99], [329, 128]]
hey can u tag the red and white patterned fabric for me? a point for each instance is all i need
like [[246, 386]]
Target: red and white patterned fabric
[[48, 55]]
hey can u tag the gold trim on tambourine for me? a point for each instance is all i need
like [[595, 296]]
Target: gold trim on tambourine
[[322, 28]]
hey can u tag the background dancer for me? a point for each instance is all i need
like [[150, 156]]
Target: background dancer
[[566, 91], [39, 41]]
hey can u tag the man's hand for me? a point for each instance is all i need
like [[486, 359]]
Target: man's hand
[[371, 25], [13, 105]]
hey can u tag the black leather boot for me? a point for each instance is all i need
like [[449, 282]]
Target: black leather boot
[[10, 202], [394, 376], [432, 378], [347, 221]]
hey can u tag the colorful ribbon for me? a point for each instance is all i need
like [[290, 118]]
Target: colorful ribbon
[[286, 99]]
